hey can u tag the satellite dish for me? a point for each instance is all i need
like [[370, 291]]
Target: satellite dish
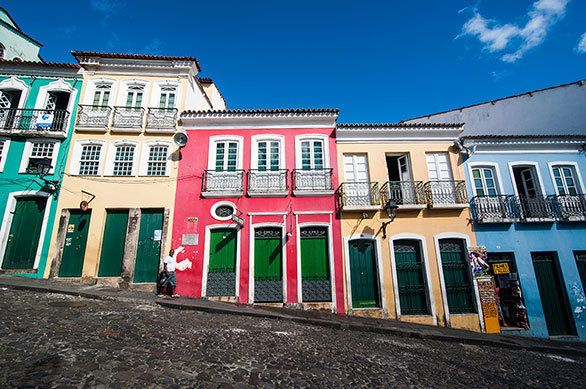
[[180, 138]]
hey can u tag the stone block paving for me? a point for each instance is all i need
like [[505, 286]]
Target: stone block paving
[[50, 340]]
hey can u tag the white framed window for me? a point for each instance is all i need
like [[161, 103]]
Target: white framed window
[[134, 96], [225, 153], [167, 97], [122, 158], [438, 166], [155, 158], [99, 91], [484, 181], [165, 94], [268, 152], [102, 95], [4, 145], [87, 157], [222, 210], [37, 149], [566, 180], [312, 152]]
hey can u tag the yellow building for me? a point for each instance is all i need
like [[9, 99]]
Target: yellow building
[[405, 224], [118, 191]]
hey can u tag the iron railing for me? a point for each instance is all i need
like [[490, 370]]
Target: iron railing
[[221, 181], [494, 209], [161, 118], [267, 181], [358, 194], [403, 192], [312, 180], [128, 117], [18, 119], [569, 208], [93, 116], [445, 193], [536, 208]]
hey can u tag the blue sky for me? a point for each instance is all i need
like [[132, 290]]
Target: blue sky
[[377, 61]]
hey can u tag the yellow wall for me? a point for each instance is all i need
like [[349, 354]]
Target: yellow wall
[[425, 222]]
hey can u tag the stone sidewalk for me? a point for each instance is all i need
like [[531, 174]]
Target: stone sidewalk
[[323, 319]]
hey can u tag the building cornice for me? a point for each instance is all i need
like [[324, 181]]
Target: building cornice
[[380, 133]]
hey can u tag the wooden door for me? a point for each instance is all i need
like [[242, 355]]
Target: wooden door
[[457, 276], [222, 264], [75, 242], [315, 264], [363, 274], [410, 277], [113, 243], [25, 231], [268, 273], [148, 253]]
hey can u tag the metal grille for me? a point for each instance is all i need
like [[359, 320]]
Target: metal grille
[[268, 291], [123, 161], [93, 116], [314, 232], [90, 160], [224, 211], [316, 290], [267, 181], [267, 233], [312, 179], [161, 118], [221, 284], [358, 194], [157, 164], [403, 192]]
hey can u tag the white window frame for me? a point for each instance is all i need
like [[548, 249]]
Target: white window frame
[[74, 163], [58, 86], [576, 171], [495, 170], [224, 138], [111, 156], [256, 139], [309, 137], [28, 148], [158, 87], [91, 87], [4, 152], [535, 167], [206, 259], [219, 204], [124, 89], [14, 83], [144, 157]]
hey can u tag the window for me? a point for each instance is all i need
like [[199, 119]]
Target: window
[[157, 162], [565, 180], [268, 155], [90, 160], [222, 210], [101, 95], [4, 144], [35, 150], [39, 151], [167, 99], [123, 160], [2, 50], [226, 156], [134, 96], [312, 154], [484, 181]]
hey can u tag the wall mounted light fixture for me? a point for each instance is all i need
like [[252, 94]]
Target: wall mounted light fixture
[[43, 167], [391, 210]]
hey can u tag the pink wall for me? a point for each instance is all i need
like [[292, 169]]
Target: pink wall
[[189, 204]]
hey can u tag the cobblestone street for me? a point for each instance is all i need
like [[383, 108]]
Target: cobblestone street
[[52, 340]]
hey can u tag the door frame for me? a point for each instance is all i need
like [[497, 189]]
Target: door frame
[[9, 214], [428, 288], [379, 264], [253, 228], [330, 257], [456, 235], [206, 256], [535, 167]]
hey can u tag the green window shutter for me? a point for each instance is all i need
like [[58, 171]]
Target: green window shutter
[[262, 156], [410, 278], [267, 254], [223, 251], [219, 156], [97, 98], [314, 254], [457, 280]]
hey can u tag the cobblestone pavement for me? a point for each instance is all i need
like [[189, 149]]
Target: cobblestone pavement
[[60, 341]]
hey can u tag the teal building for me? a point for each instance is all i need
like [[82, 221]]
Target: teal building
[[14, 43]]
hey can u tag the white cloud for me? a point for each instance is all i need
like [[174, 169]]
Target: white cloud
[[107, 7], [498, 37], [581, 48]]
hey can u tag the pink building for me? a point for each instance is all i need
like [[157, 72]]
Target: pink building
[[255, 208]]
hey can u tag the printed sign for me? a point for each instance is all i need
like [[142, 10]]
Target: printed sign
[[45, 120], [478, 261], [157, 235], [190, 240], [238, 220], [488, 302], [501, 268], [71, 228], [192, 220]]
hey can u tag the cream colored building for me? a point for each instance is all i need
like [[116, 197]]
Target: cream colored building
[[122, 167], [413, 267]]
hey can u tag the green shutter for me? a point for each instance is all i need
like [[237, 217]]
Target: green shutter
[[222, 251], [148, 252], [314, 258], [365, 290], [267, 258], [457, 280], [113, 244], [75, 243], [410, 278]]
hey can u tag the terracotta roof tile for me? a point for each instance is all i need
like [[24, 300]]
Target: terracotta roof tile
[[77, 54], [264, 111], [40, 64], [205, 80]]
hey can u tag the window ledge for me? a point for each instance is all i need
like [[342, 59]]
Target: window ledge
[[218, 195], [573, 219], [361, 208], [412, 206], [448, 206], [267, 194], [538, 220], [313, 193], [102, 130], [18, 271], [154, 130], [488, 220], [35, 133], [133, 130]]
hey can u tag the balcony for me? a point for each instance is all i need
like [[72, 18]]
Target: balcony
[[495, 209], [446, 194], [128, 119], [267, 183], [161, 120], [93, 117], [406, 194], [359, 196], [569, 208], [312, 182], [537, 209], [220, 183], [32, 122]]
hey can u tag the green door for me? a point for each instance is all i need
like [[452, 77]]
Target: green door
[[148, 252], [410, 277], [113, 244], [25, 231], [553, 298], [268, 279], [75, 241], [315, 264], [581, 263], [363, 274], [457, 276], [222, 266]]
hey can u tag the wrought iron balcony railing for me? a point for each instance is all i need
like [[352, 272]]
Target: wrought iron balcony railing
[[17, 119], [267, 182], [222, 183], [128, 117], [403, 192], [312, 180], [93, 116], [161, 118], [569, 208], [538, 208], [495, 209], [358, 195], [445, 194]]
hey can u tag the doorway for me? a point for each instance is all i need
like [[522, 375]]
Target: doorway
[[268, 264], [221, 278], [148, 252], [364, 274], [75, 243]]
